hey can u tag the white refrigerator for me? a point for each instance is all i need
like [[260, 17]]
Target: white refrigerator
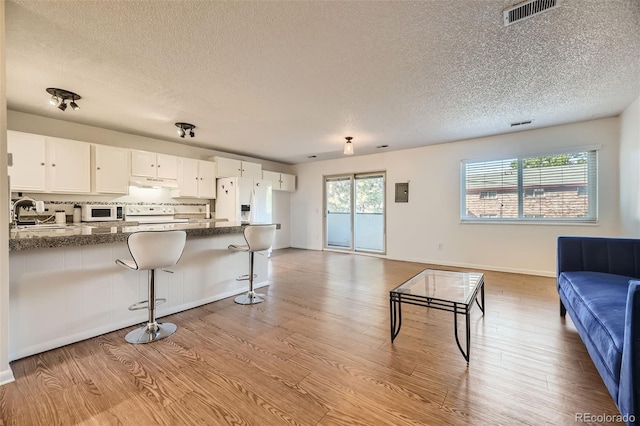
[[244, 200]]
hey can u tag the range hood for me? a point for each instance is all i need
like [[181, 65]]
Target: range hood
[[147, 182]]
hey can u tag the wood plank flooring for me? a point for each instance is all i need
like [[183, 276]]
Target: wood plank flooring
[[318, 352]]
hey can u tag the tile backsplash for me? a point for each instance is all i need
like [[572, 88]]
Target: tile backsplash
[[156, 196]]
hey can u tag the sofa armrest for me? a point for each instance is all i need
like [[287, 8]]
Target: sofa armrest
[[630, 369], [620, 256]]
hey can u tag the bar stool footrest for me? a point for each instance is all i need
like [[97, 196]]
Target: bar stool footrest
[[245, 277], [145, 304]]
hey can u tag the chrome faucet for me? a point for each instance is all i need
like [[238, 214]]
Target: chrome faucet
[[24, 202]]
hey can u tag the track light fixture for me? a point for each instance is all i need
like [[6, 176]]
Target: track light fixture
[[348, 146], [59, 98], [183, 128]]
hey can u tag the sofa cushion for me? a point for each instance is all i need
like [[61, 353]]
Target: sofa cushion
[[598, 301]]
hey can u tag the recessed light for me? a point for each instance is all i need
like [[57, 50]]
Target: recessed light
[[382, 146], [521, 123], [312, 156]]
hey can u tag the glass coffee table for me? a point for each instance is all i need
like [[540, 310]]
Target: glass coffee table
[[444, 290]]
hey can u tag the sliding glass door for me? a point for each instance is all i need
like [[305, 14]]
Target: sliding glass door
[[338, 202], [355, 212]]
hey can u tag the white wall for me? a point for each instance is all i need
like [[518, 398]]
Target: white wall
[[431, 217], [630, 170], [5, 372]]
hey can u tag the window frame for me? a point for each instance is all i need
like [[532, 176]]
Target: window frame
[[592, 189]]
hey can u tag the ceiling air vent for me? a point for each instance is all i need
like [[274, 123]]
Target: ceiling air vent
[[520, 123], [527, 9]]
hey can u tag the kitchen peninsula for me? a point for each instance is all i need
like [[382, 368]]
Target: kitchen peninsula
[[65, 285]]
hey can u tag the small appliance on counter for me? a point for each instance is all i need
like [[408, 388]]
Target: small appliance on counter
[[150, 214], [101, 212]]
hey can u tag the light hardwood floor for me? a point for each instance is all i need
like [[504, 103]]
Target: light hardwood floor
[[318, 352]]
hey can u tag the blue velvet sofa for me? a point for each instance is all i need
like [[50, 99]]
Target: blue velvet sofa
[[599, 286]]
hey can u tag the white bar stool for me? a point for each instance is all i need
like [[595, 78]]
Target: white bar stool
[[152, 250], [259, 238]]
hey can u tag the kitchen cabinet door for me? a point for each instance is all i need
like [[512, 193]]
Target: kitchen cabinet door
[[280, 181], [143, 164], [152, 165], [207, 179], [69, 166], [187, 178], [251, 170], [287, 182], [228, 167], [273, 177], [110, 170], [166, 166], [196, 179], [28, 172]]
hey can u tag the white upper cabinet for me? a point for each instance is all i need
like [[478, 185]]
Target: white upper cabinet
[[109, 170], [280, 181], [152, 165], [43, 164], [228, 167], [196, 179], [251, 170], [28, 172], [207, 182], [287, 182]]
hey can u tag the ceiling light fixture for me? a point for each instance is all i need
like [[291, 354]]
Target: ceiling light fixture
[[348, 146], [183, 128], [73, 104], [60, 96]]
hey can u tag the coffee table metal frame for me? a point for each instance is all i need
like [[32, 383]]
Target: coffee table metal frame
[[397, 298]]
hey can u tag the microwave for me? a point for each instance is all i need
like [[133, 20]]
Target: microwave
[[102, 212]]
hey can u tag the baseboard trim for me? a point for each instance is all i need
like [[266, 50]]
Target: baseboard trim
[[452, 264], [6, 376], [481, 267]]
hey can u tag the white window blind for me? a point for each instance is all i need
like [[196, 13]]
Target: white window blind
[[543, 188]]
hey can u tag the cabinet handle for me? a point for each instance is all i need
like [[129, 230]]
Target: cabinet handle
[[98, 168], [158, 165], [153, 165], [42, 164], [53, 165]]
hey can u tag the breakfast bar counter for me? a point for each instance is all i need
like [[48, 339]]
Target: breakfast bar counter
[[34, 237], [64, 284]]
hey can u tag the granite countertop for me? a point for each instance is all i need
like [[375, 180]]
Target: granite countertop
[[101, 233]]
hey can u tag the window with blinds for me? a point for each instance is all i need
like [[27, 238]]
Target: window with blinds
[[544, 188]]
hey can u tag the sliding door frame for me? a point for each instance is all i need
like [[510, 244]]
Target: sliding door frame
[[352, 178]]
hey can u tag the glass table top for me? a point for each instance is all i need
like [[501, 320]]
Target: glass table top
[[450, 286]]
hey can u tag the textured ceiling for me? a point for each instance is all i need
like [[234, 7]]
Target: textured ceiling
[[285, 80]]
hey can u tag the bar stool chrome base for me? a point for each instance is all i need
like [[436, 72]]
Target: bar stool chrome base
[[250, 298], [151, 332]]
